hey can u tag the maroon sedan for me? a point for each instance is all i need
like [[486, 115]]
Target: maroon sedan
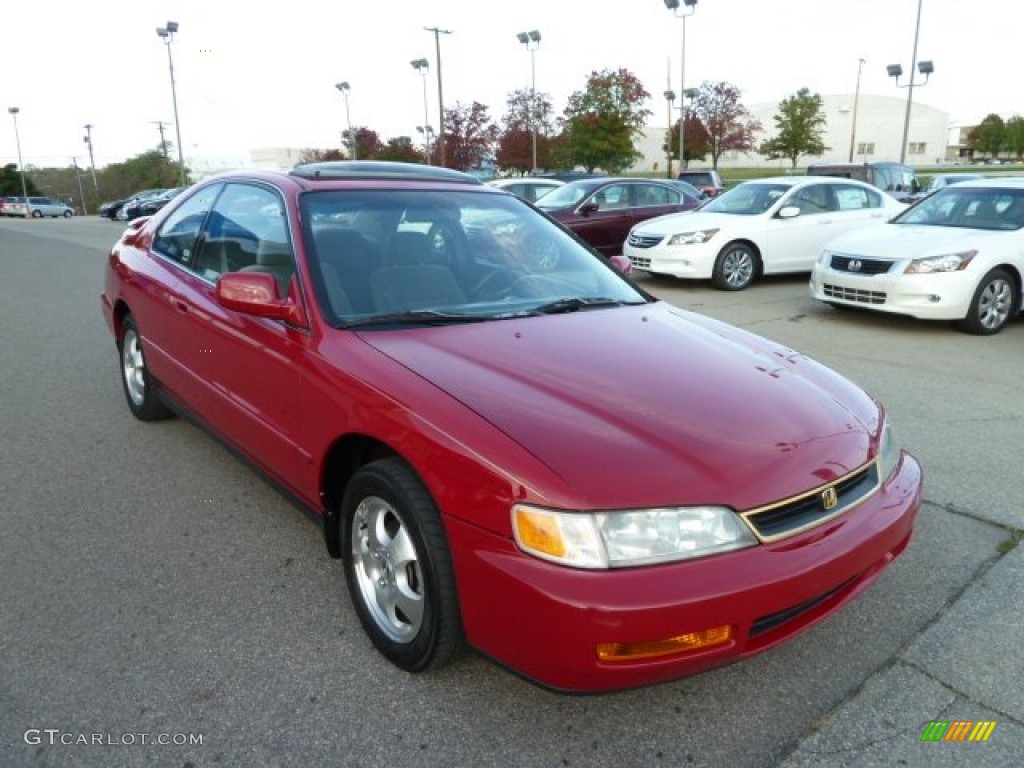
[[510, 445], [602, 210]]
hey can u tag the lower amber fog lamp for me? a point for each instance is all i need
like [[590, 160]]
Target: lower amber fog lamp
[[691, 641]]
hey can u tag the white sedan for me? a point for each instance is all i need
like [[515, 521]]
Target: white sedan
[[956, 255], [759, 227]]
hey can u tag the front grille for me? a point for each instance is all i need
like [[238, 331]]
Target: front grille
[[644, 241], [794, 515], [640, 262], [860, 266], [766, 623], [859, 295]]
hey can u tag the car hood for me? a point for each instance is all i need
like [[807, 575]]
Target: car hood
[[909, 241], [691, 221], [649, 405]]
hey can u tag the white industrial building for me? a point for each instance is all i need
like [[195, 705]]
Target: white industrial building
[[878, 136]]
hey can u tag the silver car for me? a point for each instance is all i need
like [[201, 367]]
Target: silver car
[[37, 207]]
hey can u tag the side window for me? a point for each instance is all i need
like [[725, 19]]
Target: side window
[[177, 237], [652, 194], [813, 199], [851, 198], [247, 232], [611, 197]]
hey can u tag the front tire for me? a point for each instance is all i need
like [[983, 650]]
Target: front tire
[[398, 567], [138, 384], [67, 214], [994, 304], [37, 214], [735, 267]]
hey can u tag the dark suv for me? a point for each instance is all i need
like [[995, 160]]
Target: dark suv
[[708, 182], [897, 179]]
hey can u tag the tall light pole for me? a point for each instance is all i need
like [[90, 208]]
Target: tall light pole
[[531, 40], [21, 165], [422, 66], [856, 98], [343, 86], [670, 97], [895, 70], [166, 34], [440, 92], [92, 161], [688, 8]]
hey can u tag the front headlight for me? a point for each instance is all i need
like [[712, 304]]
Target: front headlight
[[888, 452], [825, 258], [947, 262], [629, 537], [692, 238]]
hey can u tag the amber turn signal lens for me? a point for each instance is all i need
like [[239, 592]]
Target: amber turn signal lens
[[539, 532], [691, 641]]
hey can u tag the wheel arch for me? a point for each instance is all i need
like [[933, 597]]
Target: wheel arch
[[343, 459], [120, 312]]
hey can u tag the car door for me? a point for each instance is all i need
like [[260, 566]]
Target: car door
[[650, 200], [857, 206], [791, 244], [604, 218], [249, 365]]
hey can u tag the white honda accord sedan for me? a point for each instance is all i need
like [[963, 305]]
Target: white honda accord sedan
[[759, 227], [957, 255]]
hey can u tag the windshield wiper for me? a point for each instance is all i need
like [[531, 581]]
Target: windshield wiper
[[575, 303], [416, 317]]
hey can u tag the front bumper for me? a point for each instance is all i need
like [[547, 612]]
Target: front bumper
[[545, 621], [688, 261], [937, 296]]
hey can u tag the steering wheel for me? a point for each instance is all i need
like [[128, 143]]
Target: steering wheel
[[538, 286], [496, 283], [544, 252]]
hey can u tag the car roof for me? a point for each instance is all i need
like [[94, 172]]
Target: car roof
[[1004, 182]]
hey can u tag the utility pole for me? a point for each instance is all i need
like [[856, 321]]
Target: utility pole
[[440, 92], [78, 176], [163, 144], [92, 161]]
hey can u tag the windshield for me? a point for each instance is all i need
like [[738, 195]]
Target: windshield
[[387, 258], [968, 207], [747, 199]]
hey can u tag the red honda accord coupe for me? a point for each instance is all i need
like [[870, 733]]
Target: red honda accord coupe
[[510, 445]]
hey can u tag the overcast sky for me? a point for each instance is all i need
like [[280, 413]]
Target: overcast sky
[[252, 74]]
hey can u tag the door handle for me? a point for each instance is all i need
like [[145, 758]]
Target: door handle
[[180, 305]]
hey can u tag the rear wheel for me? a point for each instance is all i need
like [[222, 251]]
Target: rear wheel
[[995, 300], [398, 567], [138, 385], [37, 214], [735, 267]]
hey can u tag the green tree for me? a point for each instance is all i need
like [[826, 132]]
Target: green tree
[[1015, 136], [10, 182], [729, 124], [321, 156], [400, 150], [800, 128], [601, 122], [150, 170], [988, 137]]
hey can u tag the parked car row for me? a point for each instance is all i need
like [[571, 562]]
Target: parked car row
[[475, 404], [36, 207], [957, 254], [143, 203]]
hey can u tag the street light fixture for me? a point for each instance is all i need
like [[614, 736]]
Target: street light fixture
[[856, 98], [440, 93], [17, 140], [670, 97], [682, 10], [423, 66], [531, 40], [166, 34], [926, 68], [343, 86]]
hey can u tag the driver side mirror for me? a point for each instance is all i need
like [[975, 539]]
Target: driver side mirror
[[589, 207], [788, 212]]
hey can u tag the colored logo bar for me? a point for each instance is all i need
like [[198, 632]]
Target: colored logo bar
[[958, 730]]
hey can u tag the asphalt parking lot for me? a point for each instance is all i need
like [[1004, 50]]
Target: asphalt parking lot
[[155, 585]]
